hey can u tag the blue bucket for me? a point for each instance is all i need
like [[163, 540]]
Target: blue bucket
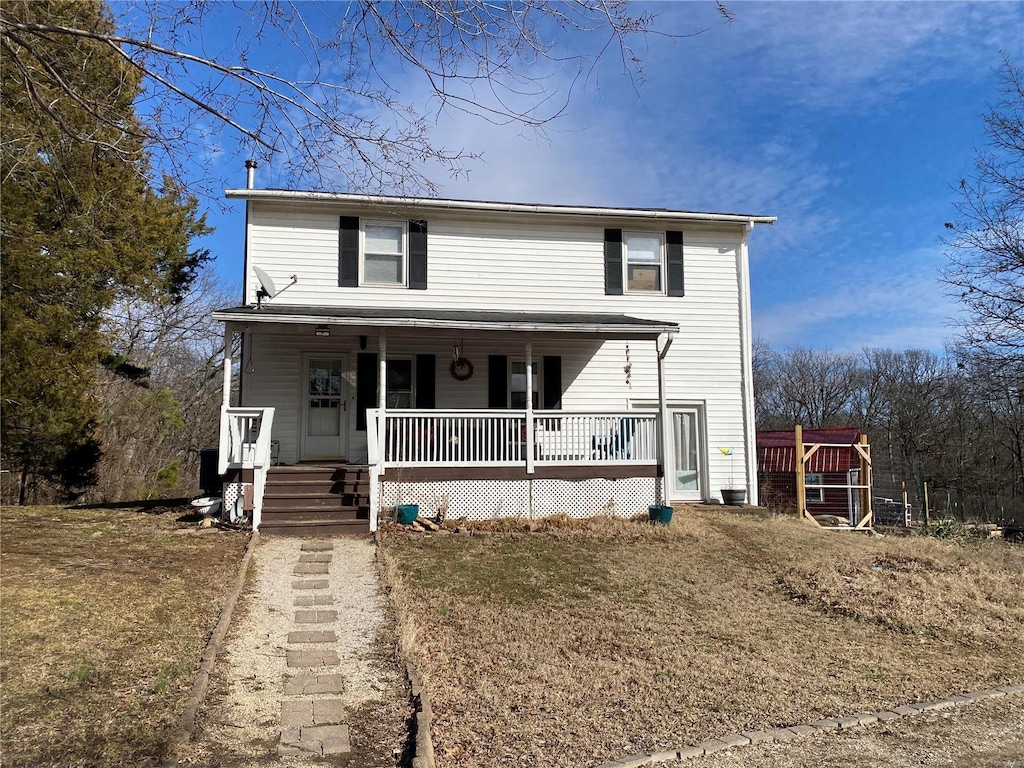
[[660, 514], [407, 513]]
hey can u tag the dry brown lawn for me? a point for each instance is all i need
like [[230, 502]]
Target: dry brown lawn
[[105, 614], [569, 649]]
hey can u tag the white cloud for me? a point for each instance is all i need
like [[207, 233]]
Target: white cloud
[[903, 307], [864, 54]]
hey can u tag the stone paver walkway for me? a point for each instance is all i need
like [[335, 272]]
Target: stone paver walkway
[[308, 724]]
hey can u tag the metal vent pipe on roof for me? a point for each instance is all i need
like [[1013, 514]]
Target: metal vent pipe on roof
[[250, 174]]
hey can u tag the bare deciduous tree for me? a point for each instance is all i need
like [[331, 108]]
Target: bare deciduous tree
[[153, 427], [986, 247], [806, 386], [959, 427], [329, 90]]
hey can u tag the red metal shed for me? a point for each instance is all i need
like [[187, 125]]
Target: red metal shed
[[832, 461]]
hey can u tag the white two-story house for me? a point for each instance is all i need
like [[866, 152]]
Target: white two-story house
[[484, 359]]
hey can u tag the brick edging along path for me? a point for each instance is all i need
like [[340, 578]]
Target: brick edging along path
[[849, 722]]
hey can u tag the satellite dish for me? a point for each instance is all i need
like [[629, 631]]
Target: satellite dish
[[267, 288]]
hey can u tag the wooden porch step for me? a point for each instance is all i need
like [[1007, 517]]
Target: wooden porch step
[[340, 513], [314, 527], [309, 499], [287, 501], [351, 472], [303, 487]]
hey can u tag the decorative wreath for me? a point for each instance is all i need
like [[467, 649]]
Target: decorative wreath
[[461, 369]]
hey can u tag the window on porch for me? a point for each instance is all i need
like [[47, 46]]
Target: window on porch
[[400, 384], [517, 384]]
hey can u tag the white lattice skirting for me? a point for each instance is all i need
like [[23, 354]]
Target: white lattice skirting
[[527, 499]]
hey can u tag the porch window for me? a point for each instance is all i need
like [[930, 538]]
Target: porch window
[[814, 495], [384, 253], [643, 262], [399, 384], [517, 385]]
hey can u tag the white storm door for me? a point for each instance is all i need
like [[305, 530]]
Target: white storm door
[[686, 481], [324, 408]]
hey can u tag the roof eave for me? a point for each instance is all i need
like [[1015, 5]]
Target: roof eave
[[605, 330], [481, 206]]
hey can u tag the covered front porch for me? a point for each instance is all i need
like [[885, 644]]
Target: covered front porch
[[460, 412]]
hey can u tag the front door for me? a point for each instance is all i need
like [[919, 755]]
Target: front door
[[324, 409], [685, 482]]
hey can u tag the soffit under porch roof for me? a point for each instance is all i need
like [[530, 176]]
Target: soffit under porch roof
[[602, 325]]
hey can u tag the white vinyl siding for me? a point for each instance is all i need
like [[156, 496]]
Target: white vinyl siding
[[536, 264]]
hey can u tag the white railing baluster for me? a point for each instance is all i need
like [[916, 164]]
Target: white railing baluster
[[502, 438], [245, 444]]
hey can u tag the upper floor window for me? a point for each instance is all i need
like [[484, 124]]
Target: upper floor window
[[384, 253], [643, 262]]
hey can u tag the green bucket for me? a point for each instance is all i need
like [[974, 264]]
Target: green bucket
[[660, 514], [407, 513]]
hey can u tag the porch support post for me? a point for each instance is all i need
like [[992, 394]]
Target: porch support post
[[382, 392], [228, 337], [664, 434], [529, 408], [378, 423]]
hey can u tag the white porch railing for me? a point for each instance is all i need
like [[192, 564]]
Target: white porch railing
[[245, 444], [426, 438]]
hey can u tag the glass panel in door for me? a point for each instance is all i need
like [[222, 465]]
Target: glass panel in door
[[325, 408], [686, 444]]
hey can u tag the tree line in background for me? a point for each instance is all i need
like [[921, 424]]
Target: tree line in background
[[87, 226], [949, 420]]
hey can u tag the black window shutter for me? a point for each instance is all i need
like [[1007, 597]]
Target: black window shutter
[[613, 262], [348, 255], [425, 381], [497, 381], [418, 255], [366, 386], [552, 383], [674, 243]]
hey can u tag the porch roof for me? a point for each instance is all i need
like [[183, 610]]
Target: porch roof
[[604, 325]]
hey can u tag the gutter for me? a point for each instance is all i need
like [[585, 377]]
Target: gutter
[[623, 331]]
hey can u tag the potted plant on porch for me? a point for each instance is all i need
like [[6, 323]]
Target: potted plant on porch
[[732, 495]]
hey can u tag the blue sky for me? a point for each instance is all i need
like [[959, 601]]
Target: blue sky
[[849, 121]]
